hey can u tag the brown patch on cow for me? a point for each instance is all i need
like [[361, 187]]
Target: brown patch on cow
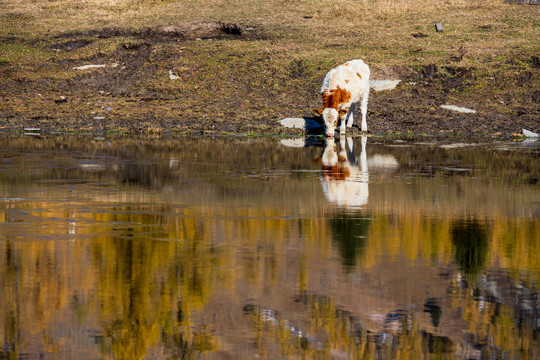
[[346, 81], [317, 112], [346, 64], [335, 97], [344, 95], [358, 74], [328, 99]]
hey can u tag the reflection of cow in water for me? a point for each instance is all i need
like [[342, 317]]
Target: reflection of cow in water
[[344, 184], [344, 177]]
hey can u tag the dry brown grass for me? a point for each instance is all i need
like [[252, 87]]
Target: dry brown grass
[[380, 28], [63, 15], [331, 31]]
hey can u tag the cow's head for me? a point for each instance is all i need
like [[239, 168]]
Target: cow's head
[[330, 117]]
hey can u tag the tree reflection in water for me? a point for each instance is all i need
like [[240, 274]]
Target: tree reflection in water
[[190, 248], [350, 233], [470, 240]]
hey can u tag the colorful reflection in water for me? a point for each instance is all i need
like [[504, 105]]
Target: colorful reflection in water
[[242, 249]]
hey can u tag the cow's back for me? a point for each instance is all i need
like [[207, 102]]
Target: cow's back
[[352, 76]]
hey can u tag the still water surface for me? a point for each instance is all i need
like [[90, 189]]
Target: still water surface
[[265, 249]]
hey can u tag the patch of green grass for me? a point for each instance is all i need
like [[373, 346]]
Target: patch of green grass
[[16, 52]]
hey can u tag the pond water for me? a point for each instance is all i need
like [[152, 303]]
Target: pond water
[[365, 248]]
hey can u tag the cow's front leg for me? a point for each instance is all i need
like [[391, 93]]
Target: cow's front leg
[[343, 113], [342, 125]]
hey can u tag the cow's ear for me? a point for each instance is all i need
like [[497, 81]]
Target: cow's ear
[[317, 112], [342, 112]]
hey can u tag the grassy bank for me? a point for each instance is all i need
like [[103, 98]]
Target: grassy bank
[[265, 62]]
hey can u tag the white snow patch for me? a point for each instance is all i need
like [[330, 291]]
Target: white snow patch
[[381, 85], [91, 66], [173, 76], [458, 109], [529, 134], [300, 123]]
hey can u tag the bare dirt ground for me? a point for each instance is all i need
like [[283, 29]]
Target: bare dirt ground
[[200, 77]]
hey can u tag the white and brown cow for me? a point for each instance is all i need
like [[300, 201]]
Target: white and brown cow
[[343, 88]]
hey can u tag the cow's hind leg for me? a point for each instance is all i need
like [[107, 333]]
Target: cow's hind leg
[[363, 108], [350, 115]]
